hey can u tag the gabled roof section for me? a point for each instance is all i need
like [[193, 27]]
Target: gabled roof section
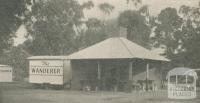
[[116, 48]]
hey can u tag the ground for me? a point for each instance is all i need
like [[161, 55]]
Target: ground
[[28, 95], [66, 96]]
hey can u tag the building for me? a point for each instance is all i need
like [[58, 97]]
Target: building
[[6, 73], [113, 64]]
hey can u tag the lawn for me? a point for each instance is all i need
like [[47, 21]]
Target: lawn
[[18, 93], [66, 96]]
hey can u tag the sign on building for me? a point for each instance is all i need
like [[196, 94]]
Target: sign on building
[[5, 73], [182, 83], [50, 70]]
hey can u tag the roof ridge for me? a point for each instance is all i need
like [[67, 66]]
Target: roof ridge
[[126, 47]]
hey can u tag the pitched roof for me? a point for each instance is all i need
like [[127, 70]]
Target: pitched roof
[[116, 48], [182, 71]]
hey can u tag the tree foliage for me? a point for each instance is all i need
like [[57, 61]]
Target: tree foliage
[[93, 33], [11, 17], [135, 2], [16, 57], [180, 34], [168, 30], [52, 26], [190, 55], [106, 8], [137, 25]]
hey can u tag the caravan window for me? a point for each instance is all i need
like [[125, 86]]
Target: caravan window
[[181, 79], [190, 79], [173, 79]]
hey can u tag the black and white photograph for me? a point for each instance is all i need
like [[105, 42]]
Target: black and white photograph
[[99, 51]]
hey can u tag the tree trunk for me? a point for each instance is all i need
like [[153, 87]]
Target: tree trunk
[[128, 34]]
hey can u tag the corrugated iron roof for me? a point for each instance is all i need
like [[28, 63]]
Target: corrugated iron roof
[[47, 57], [116, 48]]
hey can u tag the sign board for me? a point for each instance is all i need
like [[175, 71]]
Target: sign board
[[5, 73], [181, 91], [46, 71], [182, 83]]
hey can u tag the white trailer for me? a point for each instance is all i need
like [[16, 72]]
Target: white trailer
[[5, 73], [50, 70]]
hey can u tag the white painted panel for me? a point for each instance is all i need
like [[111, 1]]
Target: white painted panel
[[46, 79], [5, 74], [46, 71]]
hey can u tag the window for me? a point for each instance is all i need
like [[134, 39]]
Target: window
[[173, 79], [190, 79], [181, 79]]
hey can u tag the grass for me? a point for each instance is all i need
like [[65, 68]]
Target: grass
[[64, 96], [20, 95]]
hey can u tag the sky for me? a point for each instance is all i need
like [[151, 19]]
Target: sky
[[155, 6]]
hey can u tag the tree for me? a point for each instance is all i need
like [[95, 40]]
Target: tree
[[168, 30], [180, 34], [190, 13], [106, 8], [95, 32], [190, 54], [135, 2], [17, 58], [137, 26], [53, 25], [11, 17]]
